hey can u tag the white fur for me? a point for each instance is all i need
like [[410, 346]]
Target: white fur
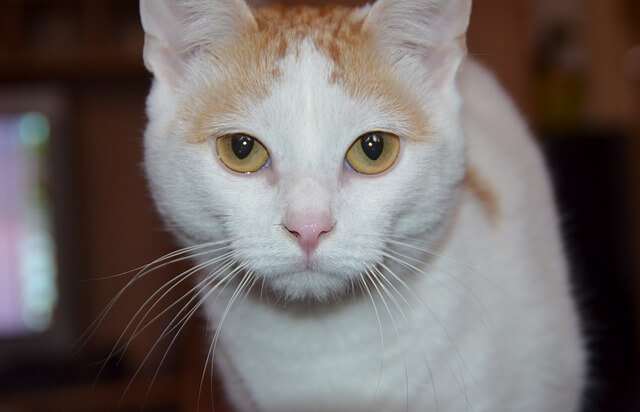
[[487, 326]]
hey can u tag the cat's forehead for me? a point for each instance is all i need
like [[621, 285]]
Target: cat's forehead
[[331, 28], [337, 33], [315, 50]]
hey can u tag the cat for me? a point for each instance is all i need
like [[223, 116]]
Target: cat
[[373, 221]]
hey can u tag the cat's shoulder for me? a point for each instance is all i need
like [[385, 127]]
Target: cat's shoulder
[[501, 149], [484, 98], [492, 121]]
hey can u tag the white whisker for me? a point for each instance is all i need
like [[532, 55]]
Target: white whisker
[[399, 258], [469, 290], [227, 261], [382, 347], [376, 282], [210, 354], [418, 340], [183, 321], [444, 257], [383, 279], [169, 255], [176, 280], [148, 268], [442, 327]]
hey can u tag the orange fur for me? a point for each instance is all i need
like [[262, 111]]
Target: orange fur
[[484, 193], [251, 65]]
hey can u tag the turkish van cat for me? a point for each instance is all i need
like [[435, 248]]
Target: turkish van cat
[[372, 225]]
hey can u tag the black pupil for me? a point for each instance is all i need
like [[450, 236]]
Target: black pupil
[[242, 145], [372, 145]]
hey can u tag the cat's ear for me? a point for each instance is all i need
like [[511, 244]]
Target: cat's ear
[[174, 29], [433, 30]]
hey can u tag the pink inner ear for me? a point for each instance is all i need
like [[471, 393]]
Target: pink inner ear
[[308, 227]]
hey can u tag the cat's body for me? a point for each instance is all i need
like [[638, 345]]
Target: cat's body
[[474, 311]]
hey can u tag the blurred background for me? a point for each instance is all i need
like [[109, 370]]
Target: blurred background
[[74, 206]]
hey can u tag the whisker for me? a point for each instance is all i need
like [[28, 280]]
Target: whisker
[[227, 257], [250, 275], [383, 279], [160, 259], [262, 288], [375, 309], [255, 280], [173, 325], [419, 271], [202, 286], [467, 288], [182, 322], [176, 280], [376, 282], [148, 268], [439, 255], [442, 327], [210, 355], [422, 350]]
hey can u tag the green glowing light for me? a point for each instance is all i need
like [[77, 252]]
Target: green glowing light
[[33, 130]]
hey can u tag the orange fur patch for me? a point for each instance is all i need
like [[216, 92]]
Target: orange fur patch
[[251, 65], [482, 190]]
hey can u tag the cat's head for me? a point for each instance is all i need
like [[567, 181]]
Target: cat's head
[[306, 137]]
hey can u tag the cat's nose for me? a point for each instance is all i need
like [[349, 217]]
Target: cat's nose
[[308, 228]]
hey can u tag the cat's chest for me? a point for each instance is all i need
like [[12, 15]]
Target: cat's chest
[[283, 365], [370, 350]]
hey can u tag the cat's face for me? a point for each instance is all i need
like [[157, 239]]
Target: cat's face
[[287, 95]]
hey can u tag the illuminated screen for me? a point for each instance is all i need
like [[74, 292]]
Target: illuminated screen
[[28, 287]]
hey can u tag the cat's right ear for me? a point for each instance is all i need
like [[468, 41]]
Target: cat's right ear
[[175, 29]]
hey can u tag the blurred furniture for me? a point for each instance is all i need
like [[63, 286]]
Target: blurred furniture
[[69, 38]]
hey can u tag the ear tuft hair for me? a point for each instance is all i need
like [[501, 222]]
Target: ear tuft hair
[[175, 29], [433, 30]]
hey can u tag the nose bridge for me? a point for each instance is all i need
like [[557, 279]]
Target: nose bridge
[[310, 195]]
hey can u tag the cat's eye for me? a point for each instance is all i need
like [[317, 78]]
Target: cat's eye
[[241, 153], [373, 152]]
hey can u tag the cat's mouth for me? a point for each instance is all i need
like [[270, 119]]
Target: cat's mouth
[[327, 273], [312, 283]]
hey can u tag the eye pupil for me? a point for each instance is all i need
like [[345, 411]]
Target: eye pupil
[[242, 145], [372, 145]]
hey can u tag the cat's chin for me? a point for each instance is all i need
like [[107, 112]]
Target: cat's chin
[[309, 285]]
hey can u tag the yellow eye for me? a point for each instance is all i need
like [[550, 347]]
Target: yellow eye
[[242, 153], [373, 152]]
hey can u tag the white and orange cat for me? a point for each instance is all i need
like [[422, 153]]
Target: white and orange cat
[[373, 223]]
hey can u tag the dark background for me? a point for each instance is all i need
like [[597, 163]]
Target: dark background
[[572, 67]]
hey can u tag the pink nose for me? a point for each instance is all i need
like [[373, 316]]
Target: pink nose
[[308, 228]]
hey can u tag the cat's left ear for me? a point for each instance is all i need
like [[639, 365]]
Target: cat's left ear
[[174, 29], [432, 30]]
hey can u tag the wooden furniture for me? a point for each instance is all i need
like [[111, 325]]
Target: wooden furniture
[[69, 38]]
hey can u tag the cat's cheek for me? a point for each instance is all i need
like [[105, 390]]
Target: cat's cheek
[[270, 175]]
